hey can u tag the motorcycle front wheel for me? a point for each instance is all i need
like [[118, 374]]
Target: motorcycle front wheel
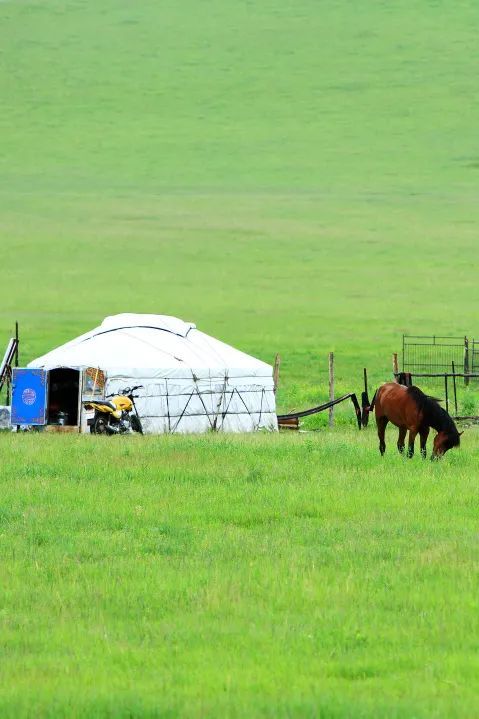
[[135, 424]]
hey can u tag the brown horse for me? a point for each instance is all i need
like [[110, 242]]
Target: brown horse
[[410, 409]]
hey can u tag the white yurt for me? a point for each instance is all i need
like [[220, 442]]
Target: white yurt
[[190, 382]]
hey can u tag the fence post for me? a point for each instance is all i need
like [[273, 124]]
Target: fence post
[[466, 361], [395, 365], [454, 385], [277, 362], [331, 387]]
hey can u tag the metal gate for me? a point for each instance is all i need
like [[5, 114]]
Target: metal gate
[[474, 356], [433, 354]]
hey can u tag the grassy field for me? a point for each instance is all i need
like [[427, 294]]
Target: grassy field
[[225, 576], [294, 177]]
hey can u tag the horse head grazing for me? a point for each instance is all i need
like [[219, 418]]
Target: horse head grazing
[[436, 417], [444, 441]]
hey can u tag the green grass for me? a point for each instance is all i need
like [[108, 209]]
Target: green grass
[[294, 177], [225, 576]]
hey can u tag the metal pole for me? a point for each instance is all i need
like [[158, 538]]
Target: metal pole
[[17, 337], [454, 386], [447, 396], [331, 388], [365, 372], [466, 361]]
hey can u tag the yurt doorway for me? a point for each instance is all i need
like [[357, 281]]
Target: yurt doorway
[[63, 396]]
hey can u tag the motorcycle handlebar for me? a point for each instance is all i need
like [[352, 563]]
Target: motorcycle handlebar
[[126, 391]]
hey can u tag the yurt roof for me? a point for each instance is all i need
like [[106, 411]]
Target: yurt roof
[[152, 345]]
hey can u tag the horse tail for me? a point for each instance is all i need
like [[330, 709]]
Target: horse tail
[[367, 407]]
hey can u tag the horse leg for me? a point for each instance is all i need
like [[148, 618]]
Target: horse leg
[[423, 435], [412, 437], [381, 423], [401, 438]]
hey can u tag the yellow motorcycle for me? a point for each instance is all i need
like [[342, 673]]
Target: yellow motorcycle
[[117, 415]]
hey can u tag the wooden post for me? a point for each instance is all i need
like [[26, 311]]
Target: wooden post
[[395, 365], [277, 363], [331, 387], [454, 386], [466, 361]]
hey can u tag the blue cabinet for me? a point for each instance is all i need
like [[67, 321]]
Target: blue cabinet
[[29, 396]]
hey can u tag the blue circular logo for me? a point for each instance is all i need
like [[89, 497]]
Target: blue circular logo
[[29, 396]]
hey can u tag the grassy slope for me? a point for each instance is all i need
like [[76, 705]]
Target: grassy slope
[[296, 177]]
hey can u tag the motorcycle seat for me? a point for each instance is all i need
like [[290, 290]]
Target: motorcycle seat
[[102, 403]]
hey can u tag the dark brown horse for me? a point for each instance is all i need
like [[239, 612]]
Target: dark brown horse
[[410, 409]]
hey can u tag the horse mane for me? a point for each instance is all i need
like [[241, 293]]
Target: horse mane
[[434, 415]]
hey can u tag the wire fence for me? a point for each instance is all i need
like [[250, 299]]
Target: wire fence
[[474, 356], [446, 366], [438, 355]]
